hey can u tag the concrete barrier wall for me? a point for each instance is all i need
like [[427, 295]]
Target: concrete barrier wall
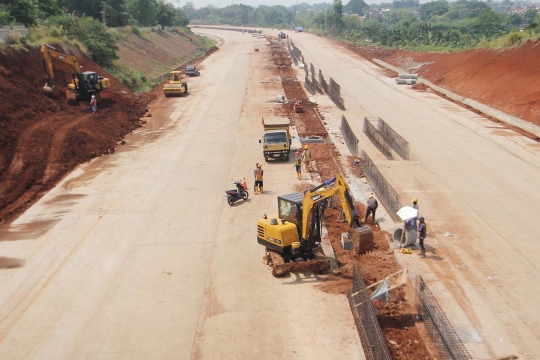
[[6, 30], [495, 113]]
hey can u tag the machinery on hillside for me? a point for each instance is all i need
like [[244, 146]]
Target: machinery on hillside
[[83, 84], [175, 87], [293, 236]]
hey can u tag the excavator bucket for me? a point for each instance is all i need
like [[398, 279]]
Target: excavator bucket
[[362, 239], [71, 97], [319, 264], [51, 91]]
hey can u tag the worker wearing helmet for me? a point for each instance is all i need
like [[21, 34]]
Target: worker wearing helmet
[[306, 158], [415, 203], [372, 206], [93, 103], [258, 174]]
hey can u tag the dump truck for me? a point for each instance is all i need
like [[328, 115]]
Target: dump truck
[[175, 87], [276, 139], [292, 237]]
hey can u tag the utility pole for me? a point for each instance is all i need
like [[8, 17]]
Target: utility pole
[[103, 5]]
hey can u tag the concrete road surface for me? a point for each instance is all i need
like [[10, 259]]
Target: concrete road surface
[[475, 179], [137, 255]]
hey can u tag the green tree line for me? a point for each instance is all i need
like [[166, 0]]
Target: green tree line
[[88, 20], [437, 24], [110, 12]]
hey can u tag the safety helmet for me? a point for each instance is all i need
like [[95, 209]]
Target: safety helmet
[[259, 166], [370, 196], [414, 200], [297, 153], [306, 147], [93, 96]]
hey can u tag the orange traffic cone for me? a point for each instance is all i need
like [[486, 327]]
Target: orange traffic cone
[[244, 184]]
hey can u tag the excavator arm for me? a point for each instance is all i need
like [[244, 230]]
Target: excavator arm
[[316, 195], [48, 53]]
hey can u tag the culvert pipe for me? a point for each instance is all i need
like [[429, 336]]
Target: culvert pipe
[[410, 236], [408, 76]]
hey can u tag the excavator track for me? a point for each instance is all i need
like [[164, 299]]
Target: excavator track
[[318, 265]]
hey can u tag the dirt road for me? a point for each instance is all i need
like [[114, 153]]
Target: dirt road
[[138, 256], [475, 179]]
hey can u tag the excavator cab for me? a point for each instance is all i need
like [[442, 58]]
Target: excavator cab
[[85, 82], [278, 231]]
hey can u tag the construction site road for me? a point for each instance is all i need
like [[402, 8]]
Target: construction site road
[[137, 255], [477, 182]]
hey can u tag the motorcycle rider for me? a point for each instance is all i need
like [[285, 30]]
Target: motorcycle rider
[[240, 188]]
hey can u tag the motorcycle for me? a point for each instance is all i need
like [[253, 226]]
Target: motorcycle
[[236, 194]]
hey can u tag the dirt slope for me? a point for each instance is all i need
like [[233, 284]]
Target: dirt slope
[[158, 51], [42, 139], [506, 79]]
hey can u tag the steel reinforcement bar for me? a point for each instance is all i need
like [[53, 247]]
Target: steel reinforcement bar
[[365, 318], [350, 138], [438, 326], [396, 141], [381, 186], [334, 92], [309, 86], [377, 138], [322, 81]]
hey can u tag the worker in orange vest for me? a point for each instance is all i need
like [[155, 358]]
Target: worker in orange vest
[[93, 103], [258, 174]]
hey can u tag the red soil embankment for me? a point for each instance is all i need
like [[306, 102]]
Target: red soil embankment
[[42, 139], [506, 79]]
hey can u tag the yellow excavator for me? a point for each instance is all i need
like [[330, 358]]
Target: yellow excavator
[[292, 237], [175, 87], [83, 84]]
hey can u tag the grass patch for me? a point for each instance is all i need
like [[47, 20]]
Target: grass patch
[[514, 38], [133, 79], [206, 42]]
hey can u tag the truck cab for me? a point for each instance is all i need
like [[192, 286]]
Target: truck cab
[[276, 139]]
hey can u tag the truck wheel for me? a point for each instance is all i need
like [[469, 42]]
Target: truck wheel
[[266, 158]]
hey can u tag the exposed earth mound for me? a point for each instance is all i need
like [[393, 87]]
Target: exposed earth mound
[[159, 51], [42, 139], [506, 79]]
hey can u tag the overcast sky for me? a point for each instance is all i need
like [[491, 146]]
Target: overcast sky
[[223, 3]]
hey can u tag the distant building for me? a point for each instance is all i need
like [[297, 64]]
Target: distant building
[[499, 8]]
